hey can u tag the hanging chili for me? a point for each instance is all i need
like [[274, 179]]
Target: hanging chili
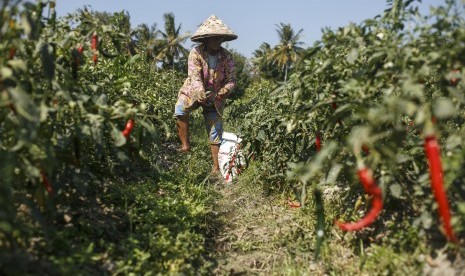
[[77, 56], [318, 141], [46, 182], [95, 59], [94, 41], [12, 53], [94, 47], [12, 108], [366, 178], [293, 204], [127, 130], [433, 155], [454, 81], [334, 105], [365, 149]]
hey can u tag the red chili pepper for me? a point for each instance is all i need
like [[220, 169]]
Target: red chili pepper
[[454, 81], [76, 56], [46, 182], [12, 108], [366, 178], [12, 53], [365, 149], [293, 204], [128, 129], [94, 47], [433, 155], [334, 105], [94, 42], [318, 141]]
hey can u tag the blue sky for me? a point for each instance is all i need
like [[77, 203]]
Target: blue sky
[[254, 21]]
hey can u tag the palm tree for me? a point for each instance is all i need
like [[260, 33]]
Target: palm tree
[[169, 47], [263, 63], [288, 50], [145, 38], [262, 55]]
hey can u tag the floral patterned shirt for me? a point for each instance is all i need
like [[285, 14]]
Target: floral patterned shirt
[[220, 81]]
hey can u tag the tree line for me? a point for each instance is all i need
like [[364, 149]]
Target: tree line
[[165, 47]]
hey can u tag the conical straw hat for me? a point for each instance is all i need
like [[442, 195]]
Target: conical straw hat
[[213, 27]]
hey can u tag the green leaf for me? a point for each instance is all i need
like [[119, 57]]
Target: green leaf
[[43, 112], [352, 56], [395, 190], [18, 65], [453, 141], [6, 73], [261, 135], [333, 174], [358, 137], [5, 226], [134, 59], [118, 137], [26, 23], [24, 104], [443, 108], [413, 89]]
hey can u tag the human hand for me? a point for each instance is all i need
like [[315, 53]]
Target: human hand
[[202, 97], [210, 97], [209, 94]]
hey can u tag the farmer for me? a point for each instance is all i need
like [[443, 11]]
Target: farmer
[[211, 79]]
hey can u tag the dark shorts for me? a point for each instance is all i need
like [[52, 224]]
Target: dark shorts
[[213, 121]]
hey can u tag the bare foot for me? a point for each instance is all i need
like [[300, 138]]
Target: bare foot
[[215, 171], [184, 149]]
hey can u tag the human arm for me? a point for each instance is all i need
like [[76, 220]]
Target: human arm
[[194, 72]]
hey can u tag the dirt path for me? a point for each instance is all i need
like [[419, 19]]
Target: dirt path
[[257, 234]]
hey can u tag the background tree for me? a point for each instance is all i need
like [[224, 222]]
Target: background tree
[[243, 73], [145, 38], [263, 63], [287, 52], [169, 49], [123, 41]]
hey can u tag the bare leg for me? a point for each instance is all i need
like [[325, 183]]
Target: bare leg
[[215, 149], [182, 123]]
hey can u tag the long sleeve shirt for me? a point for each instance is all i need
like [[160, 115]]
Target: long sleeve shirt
[[220, 81]]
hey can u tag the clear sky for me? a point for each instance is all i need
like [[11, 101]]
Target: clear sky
[[254, 21]]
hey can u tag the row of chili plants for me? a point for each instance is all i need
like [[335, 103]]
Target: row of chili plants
[[380, 104], [78, 109]]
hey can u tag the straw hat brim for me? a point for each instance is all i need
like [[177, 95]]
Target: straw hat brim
[[213, 27], [202, 38]]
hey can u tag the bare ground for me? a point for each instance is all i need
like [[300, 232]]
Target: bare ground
[[252, 231], [254, 234]]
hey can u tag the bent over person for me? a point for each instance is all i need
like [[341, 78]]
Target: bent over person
[[211, 79]]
